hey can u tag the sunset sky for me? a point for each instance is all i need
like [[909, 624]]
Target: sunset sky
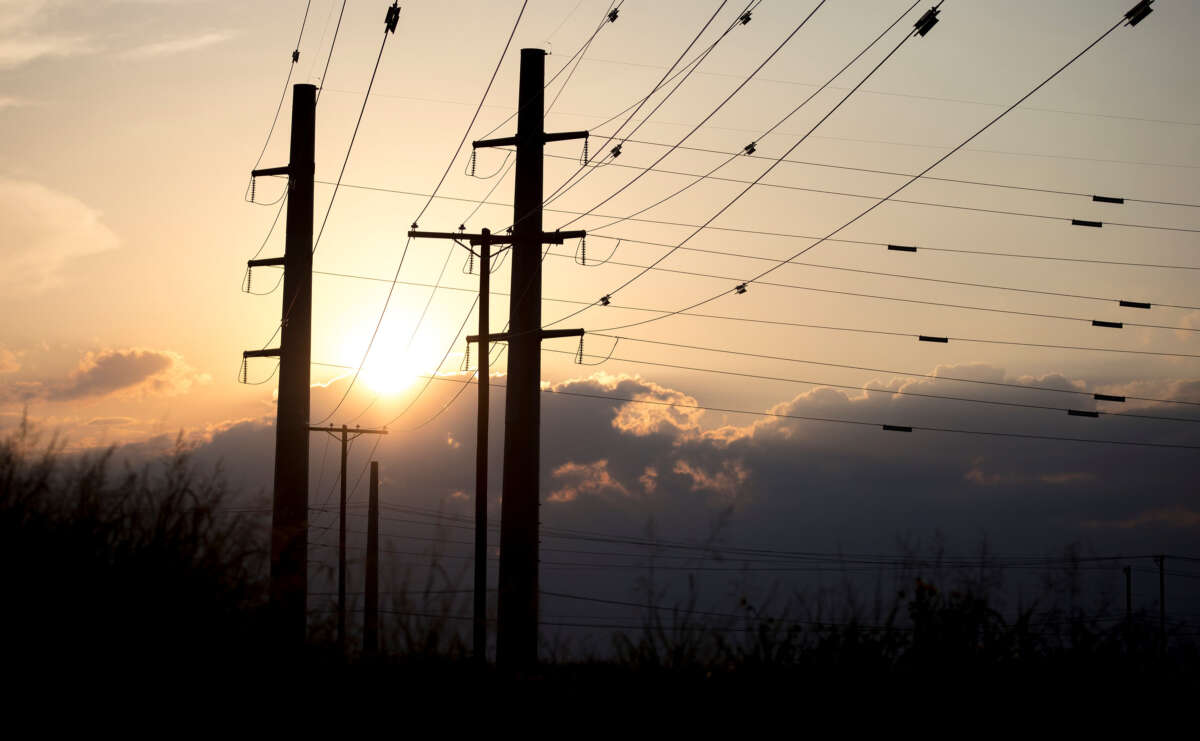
[[130, 127]]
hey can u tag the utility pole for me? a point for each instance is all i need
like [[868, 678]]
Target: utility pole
[[484, 241], [347, 435], [371, 589], [1128, 595], [1161, 561], [289, 514]]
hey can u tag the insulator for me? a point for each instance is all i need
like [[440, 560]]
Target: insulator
[[467, 358], [472, 163], [579, 352], [470, 262], [583, 250], [244, 370], [612, 15], [253, 180], [414, 226], [462, 227], [249, 274], [584, 161]]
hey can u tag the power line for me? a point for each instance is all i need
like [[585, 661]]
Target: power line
[[766, 233], [963, 181], [936, 162], [1012, 312], [869, 390]]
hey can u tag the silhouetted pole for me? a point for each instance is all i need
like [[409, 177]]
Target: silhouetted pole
[[479, 640], [345, 433], [371, 589], [289, 513], [1129, 594], [1161, 561], [516, 637]]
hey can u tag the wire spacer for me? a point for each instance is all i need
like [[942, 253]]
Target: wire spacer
[[1138, 12], [741, 288], [750, 148], [612, 15], [392, 18], [927, 21], [744, 18], [606, 299], [616, 151]]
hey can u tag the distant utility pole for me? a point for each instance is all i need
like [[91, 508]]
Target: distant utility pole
[[1161, 561], [347, 435], [289, 518], [371, 588]]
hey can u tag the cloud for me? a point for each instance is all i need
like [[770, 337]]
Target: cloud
[[127, 372], [1176, 517], [177, 45], [24, 40], [111, 421], [578, 479], [8, 361], [44, 231]]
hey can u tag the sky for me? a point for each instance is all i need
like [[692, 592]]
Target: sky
[[130, 128]]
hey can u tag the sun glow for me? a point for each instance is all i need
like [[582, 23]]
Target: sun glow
[[391, 367]]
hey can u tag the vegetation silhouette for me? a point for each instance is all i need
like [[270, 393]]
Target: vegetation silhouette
[[161, 566]]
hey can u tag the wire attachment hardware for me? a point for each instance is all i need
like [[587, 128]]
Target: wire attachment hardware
[[612, 15], [616, 151], [1138, 12], [744, 18], [927, 21], [740, 289], [392, 18], [750, 148], [606, 299]]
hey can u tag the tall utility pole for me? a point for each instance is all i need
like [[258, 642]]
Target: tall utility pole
[[516, 639], [347, 435], [289, 518], [484, 241], [371, 588]]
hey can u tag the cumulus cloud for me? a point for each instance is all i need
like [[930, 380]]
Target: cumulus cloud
[[44, 230], [576, 479], [128, 372]]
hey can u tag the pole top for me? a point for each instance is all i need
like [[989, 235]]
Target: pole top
[[534, 51]]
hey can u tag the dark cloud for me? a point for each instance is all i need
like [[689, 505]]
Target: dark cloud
[[108, 372]]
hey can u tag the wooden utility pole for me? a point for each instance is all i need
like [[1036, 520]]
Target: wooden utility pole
[[289, 518], [1161, 561], [516, 639], [346, 435], [484, 241], [371, 588]]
